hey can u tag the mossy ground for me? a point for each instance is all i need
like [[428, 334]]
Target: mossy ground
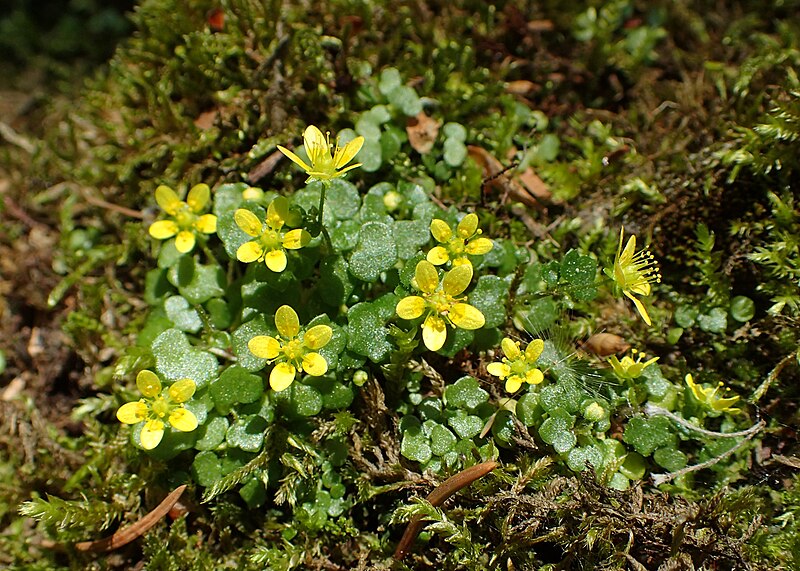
[[706, 99]]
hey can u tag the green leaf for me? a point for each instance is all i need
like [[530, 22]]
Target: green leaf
[[410, 236], [454, 152], [229, 232], [634, 466], [670, 459], [563, 395], [390, 79], [465, 393], [156, 286], [206, 469], [366, 332], [335, 395], [235, 385], [370, 156], [490, 296], [375, 252], [177, 359], [182, 315], [300, 400], [466, 425], [583, 457], [715, 321], [406, 100], [197, 282], [528, 410], [557, 432], [242, 335], [415, 445], [228, 197], [342, 200], [742, 308], [455, 131], [442, 440], [536, 316], [686, 315], [503, 427], [647, 435], [212, 433], [247, 433], [253, 493]]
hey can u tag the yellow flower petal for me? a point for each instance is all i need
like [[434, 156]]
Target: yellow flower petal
[[277, 212], [438, 256], [315, 364], [345, 154], [457, 280], [479, 246], [642, 288], [148, 383], [434, 332], [249, 252], [287, 322], [468, 225], [465, 316], [264, 346], [182, 390], [296, 239], [184, 242], [441, 230], [294, 158], [282, 376], [198, 197], [132, 412], [315, 143], [513, 384], [317, 337], [207, 224], [410, 307], [183, 420], [168, 200], [639, 307], [427, 276], [276, 260], [499, 370], [510, 348], [534, 377], [152, 432], [248, 222], [163, 229], [534, 349]]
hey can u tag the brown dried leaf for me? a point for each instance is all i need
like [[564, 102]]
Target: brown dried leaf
[[606, 344], [503, 184], [206, 119], [521, 87], [264, 168], [536, 186], [422, 131]]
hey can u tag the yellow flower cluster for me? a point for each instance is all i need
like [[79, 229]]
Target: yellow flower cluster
[[710, 398], [271, 242], [440, 304], [628, 367], [187, 221], [327, 163], [159, 408], [455, 245], [518, 366], [291, 350], [633, 272]]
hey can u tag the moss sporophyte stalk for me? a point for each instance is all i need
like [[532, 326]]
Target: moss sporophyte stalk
[[159, 408], [292, 350], [518, 367], [711, 398], [327, 162], [454, 246], [634, 272], [270, 240], [187, 221], [439, 303]]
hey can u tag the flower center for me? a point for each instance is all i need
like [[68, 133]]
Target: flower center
[[160, 407], [184, 218], [519, 367], [293, 350], [439, 301], [271, 241], [457, 246]]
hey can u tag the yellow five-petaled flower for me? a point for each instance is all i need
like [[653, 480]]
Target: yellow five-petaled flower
[[326, 162], [439, 303], [187, 220], [633, 272], [628, 367], [517, 366], [159, 408], [454, 246], [291, 350], [270, 240], [709, 398]]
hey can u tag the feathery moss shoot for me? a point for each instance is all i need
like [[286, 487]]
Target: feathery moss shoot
[[634, 272]]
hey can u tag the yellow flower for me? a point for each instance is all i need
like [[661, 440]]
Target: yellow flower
[[440, 304], [324, 164], [270, 242], [186, 220], [291, 350], [629, 368], [159, 408], [633, 272], [517, 366], [456, 245], [709, 398]]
